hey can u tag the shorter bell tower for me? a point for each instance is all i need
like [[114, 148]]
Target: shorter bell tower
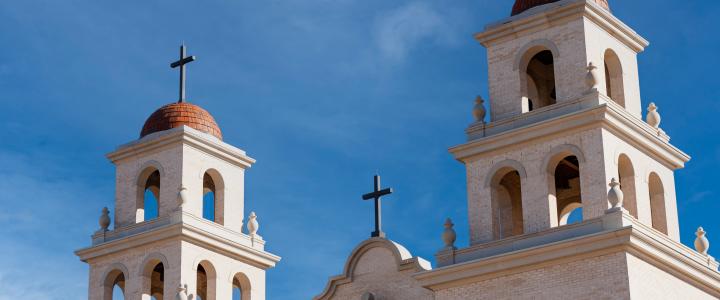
[[178, 218]]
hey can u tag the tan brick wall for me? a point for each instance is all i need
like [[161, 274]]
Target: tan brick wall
[[603, 277]]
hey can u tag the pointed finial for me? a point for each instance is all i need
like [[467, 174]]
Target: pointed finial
[[104, 219], [253, 224], [592, 77], [615, 195], [653, 117], [479, 111], [449, 236], [702, 245]]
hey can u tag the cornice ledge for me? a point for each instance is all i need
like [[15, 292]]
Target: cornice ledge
[[540, 19], [187, 135], [605, 114], [635, 239]]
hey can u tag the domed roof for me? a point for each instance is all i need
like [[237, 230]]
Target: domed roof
[[523, 5], [177, 114]]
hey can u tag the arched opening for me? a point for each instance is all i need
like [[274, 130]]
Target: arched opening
[[148, 203], [614, 86], [206, 281], [565, 189], [241, 287], [507, 203], [213, 197], [154, 285], [538, 79], [114, 286], [657, 203], [626, 173]]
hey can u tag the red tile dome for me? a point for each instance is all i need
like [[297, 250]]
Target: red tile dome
[[177, 114], [523, 5]]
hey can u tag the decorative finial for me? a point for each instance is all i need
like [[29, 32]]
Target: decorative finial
[[653, 117], [615, 195], [479, 110], [702, 244], [104, 219], [253, 225], [449, 236], [184, 59], [592, 77], [182, 293], [183, 196]]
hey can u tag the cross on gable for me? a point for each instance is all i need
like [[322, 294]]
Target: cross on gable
[[184, 59], [377, 195]]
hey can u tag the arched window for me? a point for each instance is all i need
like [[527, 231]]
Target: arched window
[[507, 203], [213, 197], [114, 285], [154, 280], [626, 172], [614, 85], [206, 281], [657, 203], [565, 190], [538, 79], [241, 287], [148, 203]]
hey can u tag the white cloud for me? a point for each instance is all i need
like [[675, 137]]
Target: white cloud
[[401, 30]]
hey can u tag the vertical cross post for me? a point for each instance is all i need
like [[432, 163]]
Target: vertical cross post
[[377, 195], [184, 59]]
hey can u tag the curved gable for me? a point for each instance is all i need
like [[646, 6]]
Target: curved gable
[[378, 266]]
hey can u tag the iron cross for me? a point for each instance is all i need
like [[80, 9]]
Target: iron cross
[[377, 195], [181, 63]]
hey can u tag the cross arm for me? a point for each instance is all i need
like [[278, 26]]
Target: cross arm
[[377, 194], [182, 61]]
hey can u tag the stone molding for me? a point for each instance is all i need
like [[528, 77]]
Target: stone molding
[[183, 135], [403, 259], [558, 12], [182, 226], [614, 232], [544, 123]]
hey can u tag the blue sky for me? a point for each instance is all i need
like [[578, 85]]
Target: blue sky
[[322, 93]]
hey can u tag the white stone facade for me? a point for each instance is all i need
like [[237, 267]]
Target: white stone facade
[[154, 257]]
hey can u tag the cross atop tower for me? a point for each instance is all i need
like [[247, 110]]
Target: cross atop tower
[[181, 63], [377, 195]]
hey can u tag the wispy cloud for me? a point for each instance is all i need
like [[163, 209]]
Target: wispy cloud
[[401, 30]]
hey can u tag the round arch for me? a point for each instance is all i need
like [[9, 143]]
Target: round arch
[[501, 169], [529, 50], [206, 279], [213, 182], [626, 174], [614, 77], [115, 274], [143, 182], [241, 281], [559, 152]]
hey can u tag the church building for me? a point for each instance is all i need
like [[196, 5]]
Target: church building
[[570, 191]]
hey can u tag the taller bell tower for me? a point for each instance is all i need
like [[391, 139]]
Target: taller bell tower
[[178, 217], [565, 119]]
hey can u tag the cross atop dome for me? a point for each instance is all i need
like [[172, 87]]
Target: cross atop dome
[[181, 113], [523, 5]]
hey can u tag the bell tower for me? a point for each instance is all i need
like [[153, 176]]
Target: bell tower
[[565, 119], [178, 217]]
